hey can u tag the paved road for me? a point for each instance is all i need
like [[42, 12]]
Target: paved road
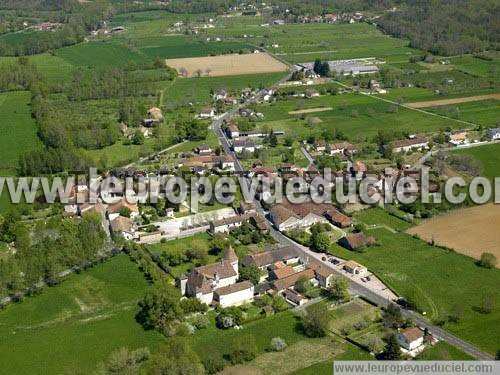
[[308, 156], [306, 252]]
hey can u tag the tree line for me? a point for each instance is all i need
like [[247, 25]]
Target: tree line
[[43, 252]]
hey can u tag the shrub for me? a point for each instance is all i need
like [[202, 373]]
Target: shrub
[[487, 260], [244, 349], [201, 321], [278, 344]]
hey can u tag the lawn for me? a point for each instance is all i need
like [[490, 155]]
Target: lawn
[[442, 351], [377, 216], [489, 155], [18, 131], [442, 281], [284, 325], [75, 325]]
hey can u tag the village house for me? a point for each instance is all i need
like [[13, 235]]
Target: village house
[[294, 298], [342, 148], [358, 170], [245, 145], [280, 272], [355, 268], [405, 145], [311, 93], [207, 113], [286, 216], [234, 295], [210, 283], [411, 338], [324, 274], [114, 209], [338, 219], [266, 260], [458, 138], [155, 115], [494, 134], [203, 149], [219, 95], [225, 225], [125, 226], [319, 145], [288, 282], [233, 131], [356, 241]]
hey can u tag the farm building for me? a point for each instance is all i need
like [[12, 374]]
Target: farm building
[[405, 145]]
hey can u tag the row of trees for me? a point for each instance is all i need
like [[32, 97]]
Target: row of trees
[[446, 27], [52, 248]]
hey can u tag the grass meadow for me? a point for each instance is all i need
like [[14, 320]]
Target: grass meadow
[[100, 53], [484, 112], [442, 281], [488, 155], [18, 132], [76, 324], [358, 116]]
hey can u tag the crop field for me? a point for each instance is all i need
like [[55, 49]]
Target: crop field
[[411, 266], [357, 116], [18, 132], [76, 324], [228, 65], [477, 66], [478, 236], [489, 155], [178, 46], [305, 42], [485, 112], [99, 54]]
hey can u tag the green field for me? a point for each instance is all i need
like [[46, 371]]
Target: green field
[[198, 89], [484, 112], [18, 132], [305, 42], [102, 53], [179, 46], [76, 324], [477, 66], [489, 155], [358, 116], [377, 216], [409, 265]]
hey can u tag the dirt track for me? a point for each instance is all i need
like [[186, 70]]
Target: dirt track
[[227, 65], [441, 102], [470, 231], [310, 110]]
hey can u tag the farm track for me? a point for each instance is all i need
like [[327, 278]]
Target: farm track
[[442, 102]]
